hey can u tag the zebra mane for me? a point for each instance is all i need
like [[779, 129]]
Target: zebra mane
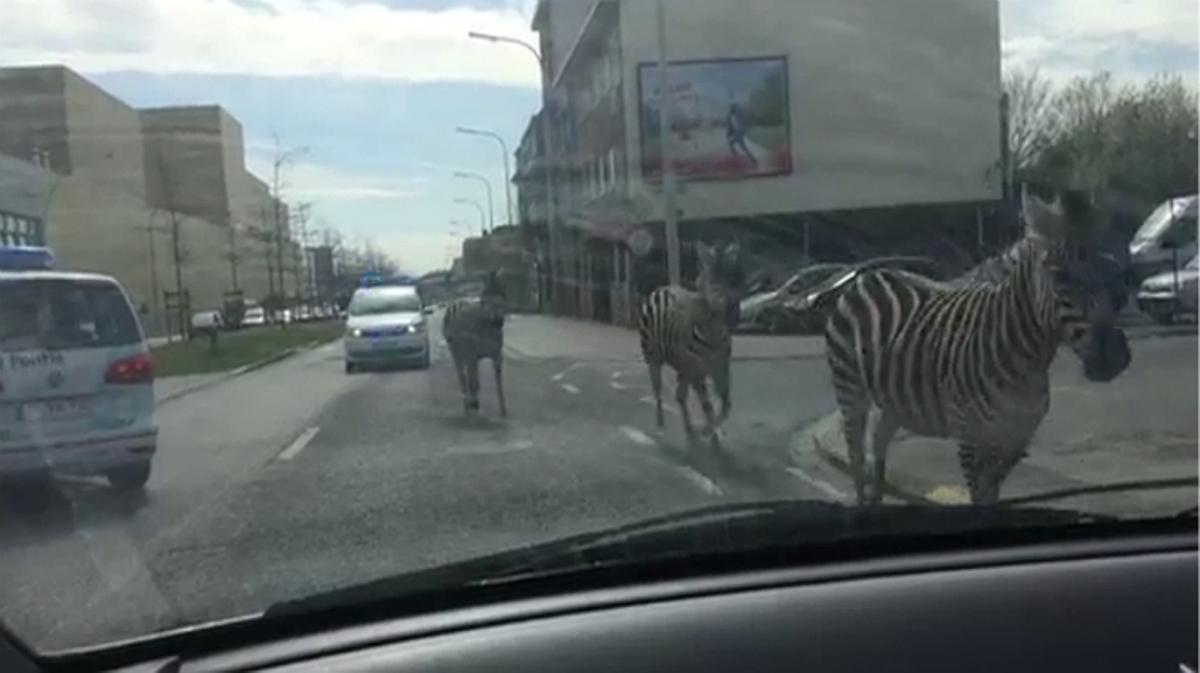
[[991, 271]]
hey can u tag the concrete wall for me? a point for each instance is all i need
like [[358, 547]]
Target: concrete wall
[[891, 102], [33, 114], [185, 160], [24, 188], [105, 137]]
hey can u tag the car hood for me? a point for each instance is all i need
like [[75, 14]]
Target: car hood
[[758, 301], [383, 320], [1166, 279]]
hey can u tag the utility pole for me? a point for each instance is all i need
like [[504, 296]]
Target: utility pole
[[177, 255], [665, 104], [282, 158], [233, 256], [155, 306]]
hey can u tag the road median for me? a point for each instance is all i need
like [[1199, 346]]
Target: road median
[[187, 367]]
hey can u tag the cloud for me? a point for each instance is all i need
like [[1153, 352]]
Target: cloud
[[1135, 39], [311, 181], [284, 38]]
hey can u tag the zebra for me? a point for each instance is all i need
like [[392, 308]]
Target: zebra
[[474, 330], [689, 331], [969, 361]]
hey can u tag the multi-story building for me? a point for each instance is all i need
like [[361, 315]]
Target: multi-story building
[[816, 129], [157, 198], [24, 188]]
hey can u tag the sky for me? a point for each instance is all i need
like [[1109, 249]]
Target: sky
[[370, 91]]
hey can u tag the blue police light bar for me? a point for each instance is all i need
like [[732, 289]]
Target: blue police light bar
[[21, 258]]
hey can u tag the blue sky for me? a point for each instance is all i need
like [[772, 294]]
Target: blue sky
[[374, 88]]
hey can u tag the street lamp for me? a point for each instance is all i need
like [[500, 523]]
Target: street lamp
[[473, 202], [486, 183], [466, 130], [489, 37]]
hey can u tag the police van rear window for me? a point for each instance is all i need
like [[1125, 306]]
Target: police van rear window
[[48, 314]]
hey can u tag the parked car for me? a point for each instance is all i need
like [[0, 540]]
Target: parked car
[[1167, 237], [205, 321], [806, 312], [386, 325], [1158, 296], [77, 379], [764, 312], [256, 316]]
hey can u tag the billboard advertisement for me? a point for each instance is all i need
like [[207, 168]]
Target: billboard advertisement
[[729, 118]]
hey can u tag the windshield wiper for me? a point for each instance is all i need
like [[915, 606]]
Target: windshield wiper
[[792, 525]]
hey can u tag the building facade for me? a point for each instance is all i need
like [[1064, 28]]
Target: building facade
[[810, 130], [158, 198]]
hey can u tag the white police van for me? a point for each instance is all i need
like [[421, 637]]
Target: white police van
[[76, 377]]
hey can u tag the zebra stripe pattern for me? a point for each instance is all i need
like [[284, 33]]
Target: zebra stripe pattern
[[967, 362], [687, 331], [474, 330]]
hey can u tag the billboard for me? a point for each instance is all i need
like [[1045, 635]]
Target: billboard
[[730, 118]]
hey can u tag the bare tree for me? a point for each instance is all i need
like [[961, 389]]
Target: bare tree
[[179, 252], [1032, 123]]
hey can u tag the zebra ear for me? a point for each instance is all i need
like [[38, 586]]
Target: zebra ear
[[1042, 220]]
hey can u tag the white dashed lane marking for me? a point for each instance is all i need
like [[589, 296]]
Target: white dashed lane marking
[[574, 390], [299, 443], [702, 482], [637, 436], [617, 385], [819, 484], [667, 406]]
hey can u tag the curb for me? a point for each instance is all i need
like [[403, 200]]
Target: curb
[[232, 374], [823, 438]]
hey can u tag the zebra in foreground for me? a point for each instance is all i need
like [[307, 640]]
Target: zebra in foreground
[[970, 361], [474, 330], [689, 331]]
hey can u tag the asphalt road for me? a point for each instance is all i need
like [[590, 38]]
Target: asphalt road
[[297, 478]]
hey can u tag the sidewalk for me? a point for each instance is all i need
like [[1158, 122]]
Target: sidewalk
[[169, 388], [1141, 426], [539, 336]]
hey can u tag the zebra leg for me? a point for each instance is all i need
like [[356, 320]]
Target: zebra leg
[[709, 415], [681, 396], [656, 384], [881, 437], [721, 383], [985, 470], [498, 369], [472, 365], [460, 371]]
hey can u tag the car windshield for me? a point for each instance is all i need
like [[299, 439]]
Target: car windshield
[[654, 257], [377, 303], [53, 315]]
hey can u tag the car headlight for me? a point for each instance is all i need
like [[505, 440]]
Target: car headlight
[[356, 333], [416, 328]]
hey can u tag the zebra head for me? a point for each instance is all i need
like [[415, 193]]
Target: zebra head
[[492, 299], [1064, 238], [721, 277]]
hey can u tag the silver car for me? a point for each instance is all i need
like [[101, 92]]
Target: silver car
[[1165, 295], [386, 325]]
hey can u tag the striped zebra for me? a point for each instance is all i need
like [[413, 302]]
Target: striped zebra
[[689, 331], [474, 330], [969, 361]]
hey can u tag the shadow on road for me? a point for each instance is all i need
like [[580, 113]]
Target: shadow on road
[[42, 508]]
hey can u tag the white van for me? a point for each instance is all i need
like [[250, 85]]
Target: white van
[[386, 324], [1173, 222], [76, 379]]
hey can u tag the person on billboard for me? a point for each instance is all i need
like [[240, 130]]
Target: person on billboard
[[735, 133]]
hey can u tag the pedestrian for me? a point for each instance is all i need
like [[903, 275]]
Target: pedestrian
[[735, 134]]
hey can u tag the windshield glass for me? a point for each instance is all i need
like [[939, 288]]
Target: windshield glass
[[587, 211], [376, 303]]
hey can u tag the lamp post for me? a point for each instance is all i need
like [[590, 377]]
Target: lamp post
[[666, 160], [545, 145], [473, 202], [466, 130], [486, 183]]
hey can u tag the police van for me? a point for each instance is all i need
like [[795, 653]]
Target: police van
[[76, 376]]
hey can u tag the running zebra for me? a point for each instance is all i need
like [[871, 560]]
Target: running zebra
[[474, 330], [690, 332], [969, 361]]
